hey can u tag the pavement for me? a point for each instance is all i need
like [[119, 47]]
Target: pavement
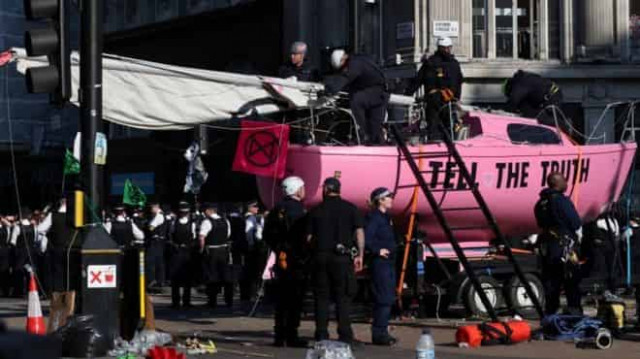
[[237, 335]]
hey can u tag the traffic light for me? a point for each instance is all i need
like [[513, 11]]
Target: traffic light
[[51, 40]]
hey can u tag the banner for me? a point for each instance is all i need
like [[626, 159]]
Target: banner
[[71, 164], [262, 149], [133, 195]]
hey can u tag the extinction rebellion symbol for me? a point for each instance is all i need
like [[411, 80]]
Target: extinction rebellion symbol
[[261, 149]]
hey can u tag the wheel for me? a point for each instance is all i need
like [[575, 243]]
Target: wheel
[[517, 296], [471, 299]]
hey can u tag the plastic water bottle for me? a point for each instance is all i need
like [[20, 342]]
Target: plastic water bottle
[[425, 349]]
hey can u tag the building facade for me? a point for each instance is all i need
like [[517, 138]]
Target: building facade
[[590, 47]]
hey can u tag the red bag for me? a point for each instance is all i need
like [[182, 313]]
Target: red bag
[[494, 333]]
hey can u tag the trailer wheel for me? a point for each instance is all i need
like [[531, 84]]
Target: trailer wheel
[[517, 296], [471, 299]]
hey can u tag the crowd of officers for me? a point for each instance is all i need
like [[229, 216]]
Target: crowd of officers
[[182, 249], [439, 78], [208, 246], [321, 250]]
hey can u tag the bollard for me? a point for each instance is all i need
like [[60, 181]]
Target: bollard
[[100, 288]]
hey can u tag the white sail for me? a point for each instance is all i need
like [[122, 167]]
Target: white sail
[[154, 96]]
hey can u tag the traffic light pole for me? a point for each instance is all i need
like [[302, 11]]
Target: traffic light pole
[[91, 123], [100, 255]]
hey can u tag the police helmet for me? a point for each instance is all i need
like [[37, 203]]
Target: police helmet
[[380, 193], [184, 207], [336, 58], [291, 185], [445, 41]]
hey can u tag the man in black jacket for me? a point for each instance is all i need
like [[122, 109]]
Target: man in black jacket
[[558, 242], [441, 77], [335, 229], [530, 94], [284, 233], [298, 66], [366, 84]]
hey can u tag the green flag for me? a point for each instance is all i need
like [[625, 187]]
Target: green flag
[[71, 164], [133, 195]]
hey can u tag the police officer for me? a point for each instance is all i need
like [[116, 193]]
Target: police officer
[[331, 228], [214, 235], [561, 226], [255, 256], [298, 66], [60, 236], [284, 233], [123, 230], [381, 244], [155, 239], [5, 255], [530, 94], [23, 242], [138, 217], [442, 79], [367, 88], [182, 244]]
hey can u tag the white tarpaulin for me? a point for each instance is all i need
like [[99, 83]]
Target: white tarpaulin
[[155, 96]]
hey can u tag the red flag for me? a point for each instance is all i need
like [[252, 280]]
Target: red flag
[[5, 57], [262, 149]]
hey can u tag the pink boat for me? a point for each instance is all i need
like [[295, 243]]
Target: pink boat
[[509, 158]]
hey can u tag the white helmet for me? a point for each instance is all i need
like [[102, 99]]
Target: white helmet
[[291, 185], [445, 42], [336, 58]]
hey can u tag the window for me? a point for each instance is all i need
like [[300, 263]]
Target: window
[[504, 28], [517, 28], [555, 30], [479, 28], [530, 134]]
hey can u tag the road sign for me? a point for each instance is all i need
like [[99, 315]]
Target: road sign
[[446, 28], [101, 276]]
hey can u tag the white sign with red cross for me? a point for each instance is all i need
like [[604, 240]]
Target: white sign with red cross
[[101, 276]]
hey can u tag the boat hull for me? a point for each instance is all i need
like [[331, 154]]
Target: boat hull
[[510, 179]]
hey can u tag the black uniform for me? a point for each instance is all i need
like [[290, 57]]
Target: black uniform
[[528, 94], [379, 234], [442, 79], [240, 252], [333, 223], [559, 221], [216, 267], [25, 247], [122, 233], [5, 260], [303, 73], [60, 236], [285, 233], [182, 246], [155, 240], [366, 84]]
